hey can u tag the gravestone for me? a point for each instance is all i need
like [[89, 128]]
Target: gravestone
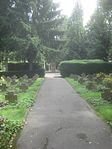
[[13, 82], [91, 86], [36, 76], [25, 77], [21, 79], [1, 120], [3, 87], [11, 97], [107, 94], [8, 79], [30, 82], [14, 77], [23, 87]]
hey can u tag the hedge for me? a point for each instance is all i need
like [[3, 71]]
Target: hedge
[[21, 69], [30, 74], [84, 66], [22, 66]]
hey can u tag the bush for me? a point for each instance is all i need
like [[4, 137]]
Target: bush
[[30, 74], [21, 69], [8, 132], [107, 94], [23, 66], [108, 82], [84, 66]]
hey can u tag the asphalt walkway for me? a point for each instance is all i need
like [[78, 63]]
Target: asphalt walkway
[[61, 119]]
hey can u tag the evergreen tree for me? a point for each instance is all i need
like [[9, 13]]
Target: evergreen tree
[[16, 32], [23, 22], [75, 34], [46, 23], [99, 32]]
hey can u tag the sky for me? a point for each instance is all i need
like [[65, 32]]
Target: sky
[[68, 5]]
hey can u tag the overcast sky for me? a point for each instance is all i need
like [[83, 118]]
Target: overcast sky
[[68, 5]]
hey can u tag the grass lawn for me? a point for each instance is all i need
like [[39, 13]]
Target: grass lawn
[[103, 108], [25, 101]]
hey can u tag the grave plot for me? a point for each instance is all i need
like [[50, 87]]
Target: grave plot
[[96, 89], [11, 87], [17, 95]]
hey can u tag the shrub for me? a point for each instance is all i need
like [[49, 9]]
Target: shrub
[[8, 132], [107, 94], [40, 72], [23, 66], [84, 66], [21, 69], [108, 82], [91, 85]]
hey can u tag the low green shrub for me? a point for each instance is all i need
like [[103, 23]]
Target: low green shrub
[[8, 132], [108, 82], [107, 94], [84, 66]]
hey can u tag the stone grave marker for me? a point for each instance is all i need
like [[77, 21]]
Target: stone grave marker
[[23, 87], [30, 82], [3, 87], [21, 79], [25, 77], [14, 77], [13, 82], [1, 120], [8, 79], [11, 97]]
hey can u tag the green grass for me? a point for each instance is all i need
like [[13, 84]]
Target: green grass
[[103, 108], [25, 101], [15, 114]]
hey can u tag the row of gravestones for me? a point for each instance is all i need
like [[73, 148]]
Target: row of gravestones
[[24, 83], [1, 122]]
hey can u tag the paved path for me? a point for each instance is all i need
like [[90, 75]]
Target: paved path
[[60, 119]]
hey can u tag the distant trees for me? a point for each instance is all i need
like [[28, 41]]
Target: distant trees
[[15, 26], [33, 30], [99, 32], [93, 40], [75, 34], [46, 23]]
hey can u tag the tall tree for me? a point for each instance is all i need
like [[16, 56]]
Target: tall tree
[[46, 23], [16, 32], [23, 22], [75, 34], [46, 20], [99, 31]]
